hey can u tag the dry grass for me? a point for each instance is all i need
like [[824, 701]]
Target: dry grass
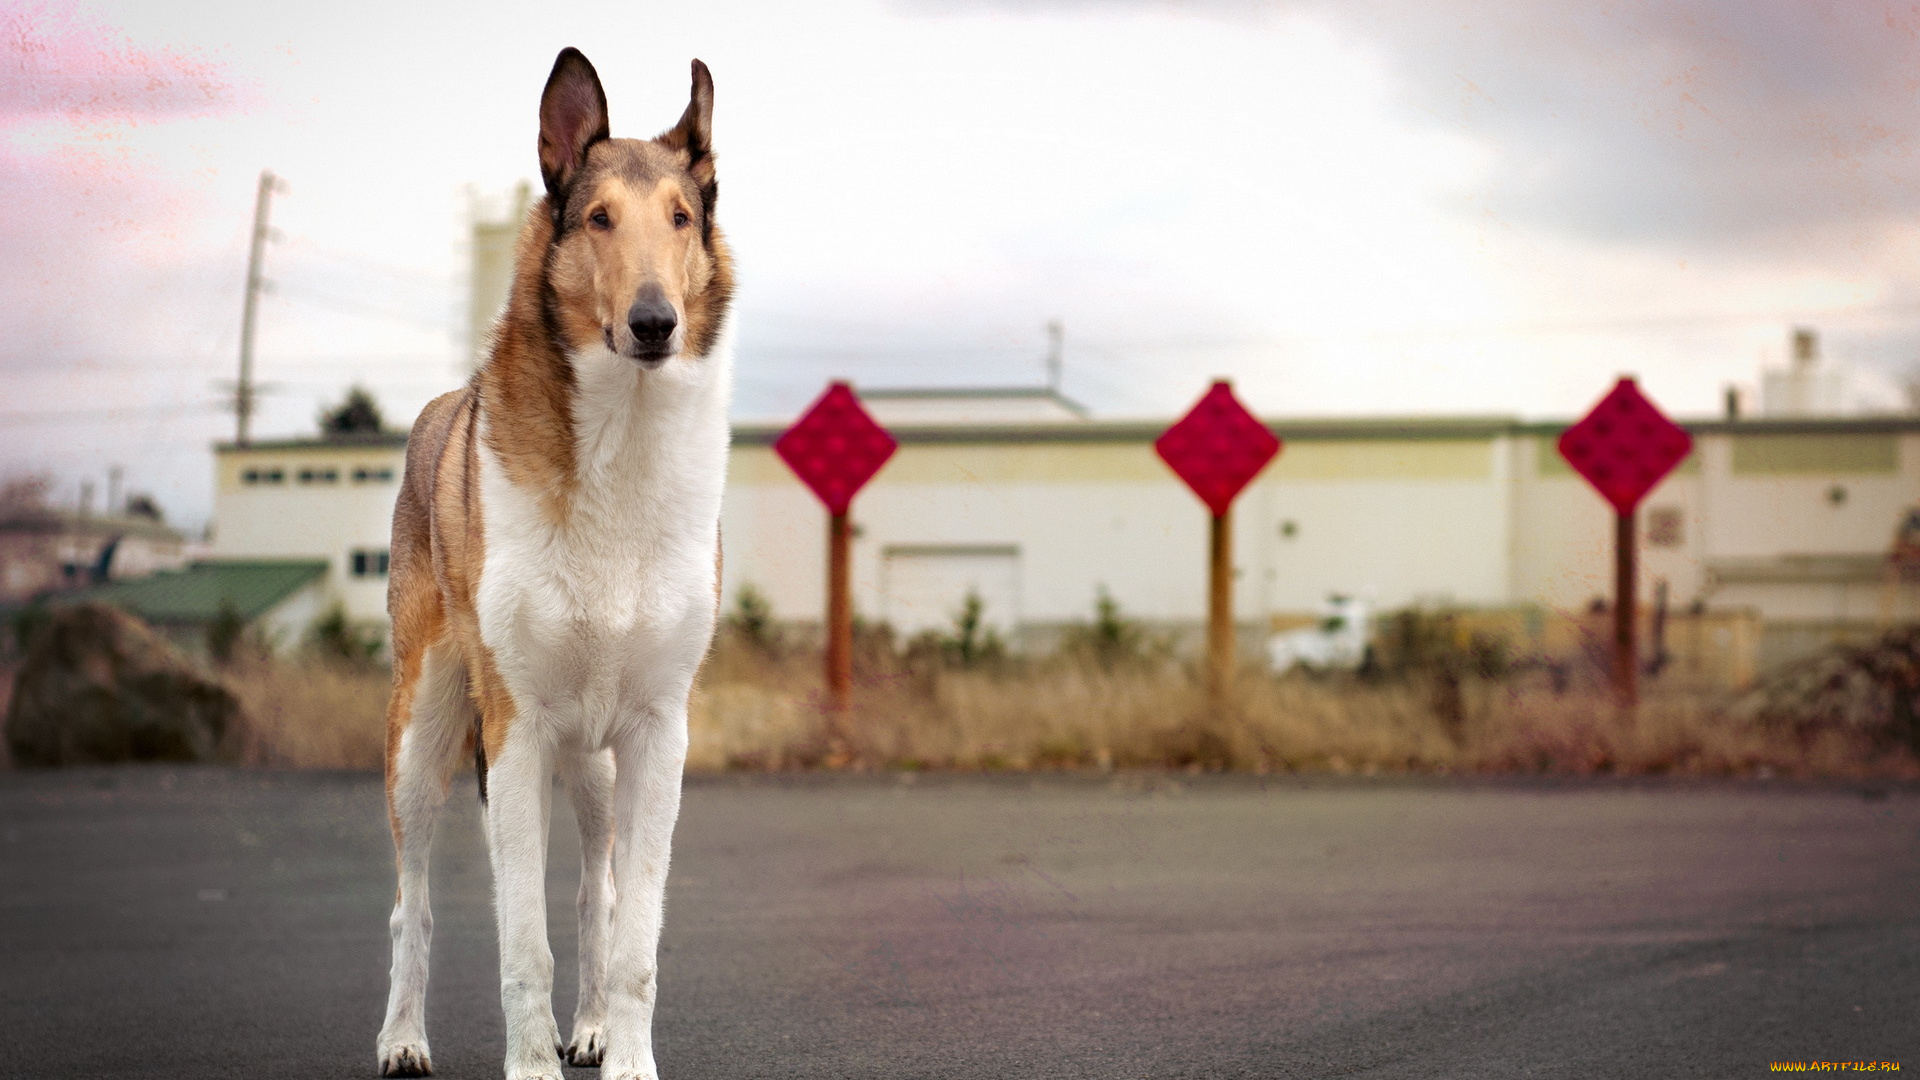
[[761, 710], [311, 713]]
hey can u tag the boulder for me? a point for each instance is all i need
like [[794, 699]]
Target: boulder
[[1871, 690], [98, 685]]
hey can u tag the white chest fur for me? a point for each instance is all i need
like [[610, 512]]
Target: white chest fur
[[592, 618]]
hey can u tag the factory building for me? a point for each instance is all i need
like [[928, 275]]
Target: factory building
[[1021, 498]]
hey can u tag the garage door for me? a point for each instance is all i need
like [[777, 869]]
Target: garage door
[[926, 585]]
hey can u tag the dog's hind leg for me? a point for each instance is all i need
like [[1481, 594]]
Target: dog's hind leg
[[519, 805], [589, 780], [649, 759], [429, 718]]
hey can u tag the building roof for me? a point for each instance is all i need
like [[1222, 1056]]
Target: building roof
[[196, 594], [764, 432], [359, 440], [1146, 431], [59, 520]]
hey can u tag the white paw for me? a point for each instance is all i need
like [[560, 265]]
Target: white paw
[[532, 1056], [541, 1066], [405, 1059], [642, 1071], [589, 1046]]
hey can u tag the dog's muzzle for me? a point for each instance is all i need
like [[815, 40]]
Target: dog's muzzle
[[652, 322]]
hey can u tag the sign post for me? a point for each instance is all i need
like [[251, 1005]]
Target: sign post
[[1217, 448], [1624, 447], [835, 448]]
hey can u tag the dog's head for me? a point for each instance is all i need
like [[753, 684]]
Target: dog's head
[[636, 263]]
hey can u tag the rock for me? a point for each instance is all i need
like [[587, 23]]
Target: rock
[[98, 685], [1871, 690]]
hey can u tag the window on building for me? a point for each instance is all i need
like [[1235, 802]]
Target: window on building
[[368, 475], [369, 563], [319, 476], [262, 476]]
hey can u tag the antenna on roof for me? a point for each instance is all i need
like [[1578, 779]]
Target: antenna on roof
[[1055, 334]]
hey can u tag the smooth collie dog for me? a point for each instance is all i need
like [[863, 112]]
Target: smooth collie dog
[[554, 576]]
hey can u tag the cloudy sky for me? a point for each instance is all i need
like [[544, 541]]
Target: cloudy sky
[[1380, 207]]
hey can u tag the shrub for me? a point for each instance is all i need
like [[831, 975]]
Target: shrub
[[334, 636], [752, 618]]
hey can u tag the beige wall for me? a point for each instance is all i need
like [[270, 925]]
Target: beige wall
[[328, 521], [1394, 520], [1477, 522], [1563, 544]]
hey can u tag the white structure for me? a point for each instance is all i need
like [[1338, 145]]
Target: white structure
[[328, 499], [1807, 386], [494, 230], [1792, 518], [1338, 642]]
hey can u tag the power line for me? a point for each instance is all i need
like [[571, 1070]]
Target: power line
[[16, 419]]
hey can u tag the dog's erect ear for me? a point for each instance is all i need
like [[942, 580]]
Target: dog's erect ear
[[573, 116], [694, 132]]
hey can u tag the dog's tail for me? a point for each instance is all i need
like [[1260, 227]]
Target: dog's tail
[[480, 759]]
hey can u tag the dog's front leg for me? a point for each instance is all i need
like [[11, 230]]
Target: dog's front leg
[[519, 798], [649, 759], [589, 779]]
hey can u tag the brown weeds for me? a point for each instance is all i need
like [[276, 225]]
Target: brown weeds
[[311, 713], [760, 707]]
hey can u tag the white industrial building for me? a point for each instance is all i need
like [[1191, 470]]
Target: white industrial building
[[1020, 497], [302, 499]]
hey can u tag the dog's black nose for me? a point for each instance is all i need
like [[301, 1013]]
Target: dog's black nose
[[651, 318]]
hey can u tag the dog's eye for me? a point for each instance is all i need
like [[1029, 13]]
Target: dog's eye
[[600, 218], [681, 220]]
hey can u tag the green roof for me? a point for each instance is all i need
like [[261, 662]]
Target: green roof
[[195, 594]]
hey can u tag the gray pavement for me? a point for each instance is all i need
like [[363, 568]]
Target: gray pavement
[[204, 922]]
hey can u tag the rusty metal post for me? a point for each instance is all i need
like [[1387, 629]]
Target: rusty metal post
[[1220, 637], [1626, 668], [839, 620]]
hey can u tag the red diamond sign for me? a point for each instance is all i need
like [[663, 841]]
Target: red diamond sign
[[1625, 446], [836, 447], [1217, 448]]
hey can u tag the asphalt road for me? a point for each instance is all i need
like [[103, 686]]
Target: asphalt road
[[206, 923]]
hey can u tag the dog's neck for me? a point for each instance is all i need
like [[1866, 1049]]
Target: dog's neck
[[573, 423]]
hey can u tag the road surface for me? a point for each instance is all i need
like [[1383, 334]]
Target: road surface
[[188, 922]]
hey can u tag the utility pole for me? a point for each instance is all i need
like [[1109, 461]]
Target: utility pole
[[1055, 338], [243, 392]]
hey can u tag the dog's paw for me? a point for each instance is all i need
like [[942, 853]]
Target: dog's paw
[[630, 1070], [405, 1059], [538, 1065], [589, 1046]]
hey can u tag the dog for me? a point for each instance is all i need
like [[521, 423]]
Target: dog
[[555, 576]]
